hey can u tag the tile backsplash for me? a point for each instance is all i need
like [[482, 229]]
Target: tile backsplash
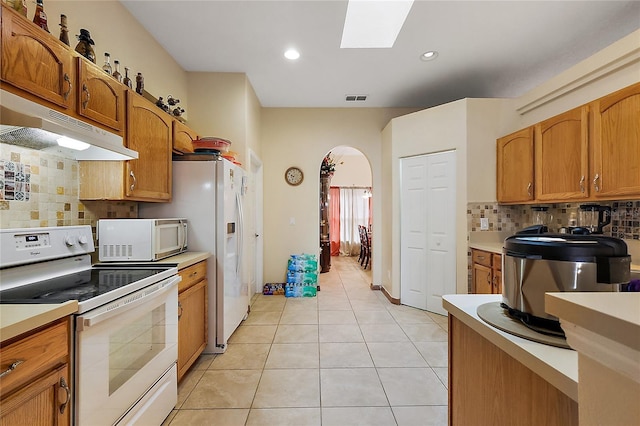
[[625, 217], [39, 189]]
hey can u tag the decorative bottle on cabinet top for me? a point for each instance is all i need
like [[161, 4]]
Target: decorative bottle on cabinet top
[[64, 32], [40, 18], [116, 73], [127, 81], [107, 64], [84, 46]]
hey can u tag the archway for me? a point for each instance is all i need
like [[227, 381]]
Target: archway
[[345, 206]]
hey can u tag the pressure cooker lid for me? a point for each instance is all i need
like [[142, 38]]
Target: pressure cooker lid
[[567, 247]]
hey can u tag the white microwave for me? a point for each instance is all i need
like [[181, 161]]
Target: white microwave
[[125, 240]]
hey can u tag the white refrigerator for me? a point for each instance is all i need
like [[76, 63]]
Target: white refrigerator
[[209, 192]]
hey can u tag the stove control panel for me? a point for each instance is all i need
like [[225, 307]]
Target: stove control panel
[[31, 241], [27, 245]]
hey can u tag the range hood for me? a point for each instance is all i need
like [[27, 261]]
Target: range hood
[[31, 125]]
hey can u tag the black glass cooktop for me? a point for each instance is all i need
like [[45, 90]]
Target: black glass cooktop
[[78, 286]]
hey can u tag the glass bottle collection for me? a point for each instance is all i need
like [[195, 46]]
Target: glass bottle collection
[[84, 46]]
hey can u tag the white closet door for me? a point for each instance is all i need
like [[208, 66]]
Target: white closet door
[[428, 251]]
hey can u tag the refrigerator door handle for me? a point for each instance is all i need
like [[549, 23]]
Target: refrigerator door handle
[[240, 238]]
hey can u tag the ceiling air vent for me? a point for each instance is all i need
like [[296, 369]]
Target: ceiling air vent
[[355, 98]]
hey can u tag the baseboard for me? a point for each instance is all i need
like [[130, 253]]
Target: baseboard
[[391, 299], [374, 287]]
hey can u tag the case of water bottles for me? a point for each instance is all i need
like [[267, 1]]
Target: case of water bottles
[[302, 276]]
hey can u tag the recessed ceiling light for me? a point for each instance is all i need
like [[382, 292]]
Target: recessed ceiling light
[[292, 54], [429, 56], [373, 24]]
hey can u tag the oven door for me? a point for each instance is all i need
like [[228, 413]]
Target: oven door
[[122, 349]]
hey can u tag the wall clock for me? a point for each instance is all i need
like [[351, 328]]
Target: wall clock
[[293, 176]]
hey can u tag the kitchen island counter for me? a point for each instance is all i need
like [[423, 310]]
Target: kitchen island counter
[[19, 319], [499, 378]]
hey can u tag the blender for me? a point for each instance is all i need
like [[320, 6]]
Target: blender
[[594, 217]]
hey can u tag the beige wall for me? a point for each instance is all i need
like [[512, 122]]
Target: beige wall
[[301, 137], [114, 30], [467, 126], [352, 170]]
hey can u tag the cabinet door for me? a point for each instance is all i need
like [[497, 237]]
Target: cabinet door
[[43, 402], [562, 157], [616, 144], [100, 96], [34, 61], [148, 132], [515, 167], [182, 137], [192, 325], [482, 279]]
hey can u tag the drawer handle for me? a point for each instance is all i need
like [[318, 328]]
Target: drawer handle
[[68, 80], [87, 98], [480, 257], [193, 274], [180, 310], [63, 385], [11, 368]]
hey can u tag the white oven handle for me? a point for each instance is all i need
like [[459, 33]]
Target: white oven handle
[[128, 302]]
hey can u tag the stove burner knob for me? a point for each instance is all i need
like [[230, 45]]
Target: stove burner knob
[[69, 241], [82, 239]]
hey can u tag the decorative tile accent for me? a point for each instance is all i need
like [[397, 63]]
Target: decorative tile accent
[[625, 217], [40, 189]]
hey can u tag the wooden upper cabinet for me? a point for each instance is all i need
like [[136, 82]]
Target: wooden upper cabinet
[[562, 156], [149, 132], [100, 97], [35, 61], [515, 159], [182, 137], [616, 144]]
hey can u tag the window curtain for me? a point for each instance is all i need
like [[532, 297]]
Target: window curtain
[[354, 211], [334, 220]]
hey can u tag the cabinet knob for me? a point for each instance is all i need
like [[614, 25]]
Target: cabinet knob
[[529, 189], [582, 184], [595, 182], [179, 310]]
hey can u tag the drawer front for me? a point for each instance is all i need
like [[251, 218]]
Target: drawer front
[[33, 355], [482, 257], [497, 261], [192, 275]]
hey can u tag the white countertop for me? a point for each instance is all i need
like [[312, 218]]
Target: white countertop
[[487, 246], [19, 319], [557, 366], [615, 316]]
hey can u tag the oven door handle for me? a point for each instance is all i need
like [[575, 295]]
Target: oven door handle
[[127, 302]]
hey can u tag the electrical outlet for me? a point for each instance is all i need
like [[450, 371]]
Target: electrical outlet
[[484, 224], [292, 221]]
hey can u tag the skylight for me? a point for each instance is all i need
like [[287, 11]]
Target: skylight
[[374, 23]]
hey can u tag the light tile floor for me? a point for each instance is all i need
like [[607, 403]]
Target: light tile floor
[[345, 357]]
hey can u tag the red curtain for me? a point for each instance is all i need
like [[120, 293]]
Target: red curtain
[[334, 220]]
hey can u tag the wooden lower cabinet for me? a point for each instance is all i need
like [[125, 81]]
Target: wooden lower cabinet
[[37, 389], [489, 387], [192, 315], [487, 272]]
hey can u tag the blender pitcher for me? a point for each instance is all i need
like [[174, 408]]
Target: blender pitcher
[[594, 217]]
